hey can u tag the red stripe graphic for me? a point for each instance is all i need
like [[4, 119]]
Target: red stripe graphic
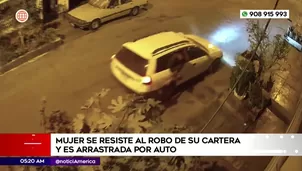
[[24, 144]]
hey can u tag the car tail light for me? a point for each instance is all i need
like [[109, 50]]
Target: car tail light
[[146, 80]]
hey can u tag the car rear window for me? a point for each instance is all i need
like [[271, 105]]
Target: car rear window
[[132, 61]]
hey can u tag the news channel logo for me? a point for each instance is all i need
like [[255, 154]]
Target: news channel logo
[[21, 16]]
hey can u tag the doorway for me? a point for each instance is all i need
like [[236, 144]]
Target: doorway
[[50, 10], [75, 3]]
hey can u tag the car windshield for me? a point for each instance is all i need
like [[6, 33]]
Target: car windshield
[[96, 3], [132, 61]]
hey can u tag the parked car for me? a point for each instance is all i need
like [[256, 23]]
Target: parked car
[[293, 38], [92, 14], [144, 66]]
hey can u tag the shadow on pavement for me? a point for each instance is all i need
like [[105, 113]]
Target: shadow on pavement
[[189, 87]]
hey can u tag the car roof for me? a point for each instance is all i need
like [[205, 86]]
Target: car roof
[[148, 47]]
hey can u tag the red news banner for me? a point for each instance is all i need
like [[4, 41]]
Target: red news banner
[[25, 145]]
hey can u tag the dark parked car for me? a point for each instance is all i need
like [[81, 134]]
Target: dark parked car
[[293, 38]]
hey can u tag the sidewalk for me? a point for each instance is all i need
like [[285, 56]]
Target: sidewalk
[[286, 92], [193, 105], [230, 119], [64, 28], [206, 98], [288, 85]]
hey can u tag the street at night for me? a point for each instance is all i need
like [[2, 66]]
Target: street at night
[[70, 74]]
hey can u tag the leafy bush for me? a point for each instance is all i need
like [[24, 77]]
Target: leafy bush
[[136, 114], [50, 34], [27, 40], [243, 84], [271, 62], [5, 41], [257, 101], [255, 95], [247, 77], [7, 56], [30, 35]]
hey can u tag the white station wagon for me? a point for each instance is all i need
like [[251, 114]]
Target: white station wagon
[[144, 66], [92, 14]]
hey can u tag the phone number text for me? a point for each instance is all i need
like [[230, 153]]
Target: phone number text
[[264, 14]]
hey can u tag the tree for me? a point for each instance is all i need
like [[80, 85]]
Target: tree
[[272, 62], [269, 57], [248, 77], [255, 31]]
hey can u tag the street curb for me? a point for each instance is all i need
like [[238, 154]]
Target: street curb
[[30, 55]]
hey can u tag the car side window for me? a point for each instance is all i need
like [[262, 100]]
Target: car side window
[[125, 1], [113, 3], [171, 60], [162, 63], [195, 52]]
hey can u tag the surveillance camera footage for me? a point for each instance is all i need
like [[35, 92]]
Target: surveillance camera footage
[[150, 85]]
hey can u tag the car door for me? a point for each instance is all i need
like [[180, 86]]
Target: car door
[[198, 59], [126, 6], [162, 73], [113, 11], [184, 69]]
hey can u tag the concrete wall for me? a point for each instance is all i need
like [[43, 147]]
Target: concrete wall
[[292, 164]]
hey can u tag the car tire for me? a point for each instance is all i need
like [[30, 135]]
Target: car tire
[[95, 24], [215, 66], [134, 11]]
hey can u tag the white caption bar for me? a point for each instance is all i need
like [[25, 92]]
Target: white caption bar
[[264, 14]]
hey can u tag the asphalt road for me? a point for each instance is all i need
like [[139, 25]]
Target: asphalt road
[[72, 73]]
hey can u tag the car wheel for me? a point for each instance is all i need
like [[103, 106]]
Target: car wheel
[[134, 11], [215, 66], [95, 24]]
